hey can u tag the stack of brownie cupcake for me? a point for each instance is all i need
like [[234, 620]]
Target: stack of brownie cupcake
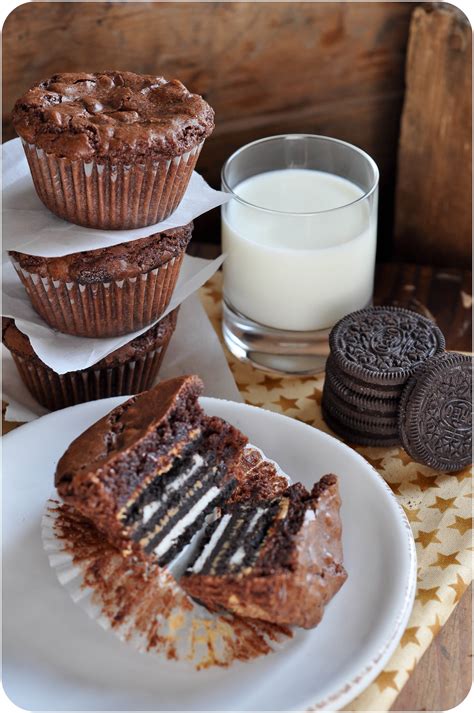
[[389, 381], [111, 151]]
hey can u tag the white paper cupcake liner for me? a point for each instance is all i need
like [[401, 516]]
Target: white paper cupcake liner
[[102, 309], [110, 196], [156, 616]]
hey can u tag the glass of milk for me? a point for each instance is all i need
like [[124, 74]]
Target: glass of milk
[[300, 237]]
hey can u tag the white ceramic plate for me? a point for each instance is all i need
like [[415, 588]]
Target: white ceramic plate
[[56, 658]]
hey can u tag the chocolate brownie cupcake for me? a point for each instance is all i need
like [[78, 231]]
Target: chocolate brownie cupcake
[[105, 292], [149, 472], [278, 560], [111, 150], [128, 370]]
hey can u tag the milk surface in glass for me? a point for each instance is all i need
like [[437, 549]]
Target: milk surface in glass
[[308, 259]]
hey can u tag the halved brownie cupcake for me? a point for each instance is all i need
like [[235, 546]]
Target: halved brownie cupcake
[[128, 370], [279, 560], [109, 291], [150, 471], [111, 150]]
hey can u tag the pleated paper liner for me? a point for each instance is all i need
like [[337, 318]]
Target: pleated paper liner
[[56, 391], [143, 605], [110, 196], [102, 309]]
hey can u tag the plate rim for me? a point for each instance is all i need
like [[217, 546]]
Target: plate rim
[[358, 683], [350, 690]]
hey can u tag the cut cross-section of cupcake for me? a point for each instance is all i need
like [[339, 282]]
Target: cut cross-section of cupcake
[[175, 503], [279, 560], [149, 472]]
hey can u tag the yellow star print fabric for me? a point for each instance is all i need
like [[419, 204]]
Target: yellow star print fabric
[[438, 507]]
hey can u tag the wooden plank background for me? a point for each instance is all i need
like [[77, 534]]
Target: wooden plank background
[[434, 191], [330, 68]]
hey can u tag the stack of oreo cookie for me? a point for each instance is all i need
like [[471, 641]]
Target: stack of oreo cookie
[[374, 353]]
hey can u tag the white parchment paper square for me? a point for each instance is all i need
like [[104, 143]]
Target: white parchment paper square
[[29, 227], [63, 352], [194, 349]]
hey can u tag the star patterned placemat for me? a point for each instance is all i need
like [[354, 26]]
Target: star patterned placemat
[[438, 507]]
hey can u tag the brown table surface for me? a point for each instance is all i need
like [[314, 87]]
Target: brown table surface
[[443, 676]]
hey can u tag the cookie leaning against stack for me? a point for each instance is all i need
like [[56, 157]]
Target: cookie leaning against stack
[[435, 417], [374, 352]]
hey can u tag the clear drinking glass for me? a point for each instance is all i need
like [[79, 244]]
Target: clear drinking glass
[[300, 247]]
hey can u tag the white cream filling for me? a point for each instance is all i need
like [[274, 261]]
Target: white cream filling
[[201, 560], [187, 520], [150, 509], [238, 556], [197, 462], [309, 515], [255, 519]]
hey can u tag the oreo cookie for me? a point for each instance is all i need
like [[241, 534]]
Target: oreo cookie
[[383, 346], [357, 402], [369, 417], [357, 435], [435, 420], [361, 388], [361, 423], [374, 353], [359, 419]]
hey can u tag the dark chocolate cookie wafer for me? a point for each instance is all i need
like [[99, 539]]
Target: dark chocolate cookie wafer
[[375, 418], [359, 403], [372, 425], [359, 437], [436, 413], [384, 345], [361, 388]]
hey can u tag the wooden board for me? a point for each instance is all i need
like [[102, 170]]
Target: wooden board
[[442, 294], [433, 213], [332, 68], [443, 677]]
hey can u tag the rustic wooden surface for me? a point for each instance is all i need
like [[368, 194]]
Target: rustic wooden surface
[[330, 68], [442, 294], [443, 677], [433, 204]]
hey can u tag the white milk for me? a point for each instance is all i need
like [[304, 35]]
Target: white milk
[[298, 272]]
